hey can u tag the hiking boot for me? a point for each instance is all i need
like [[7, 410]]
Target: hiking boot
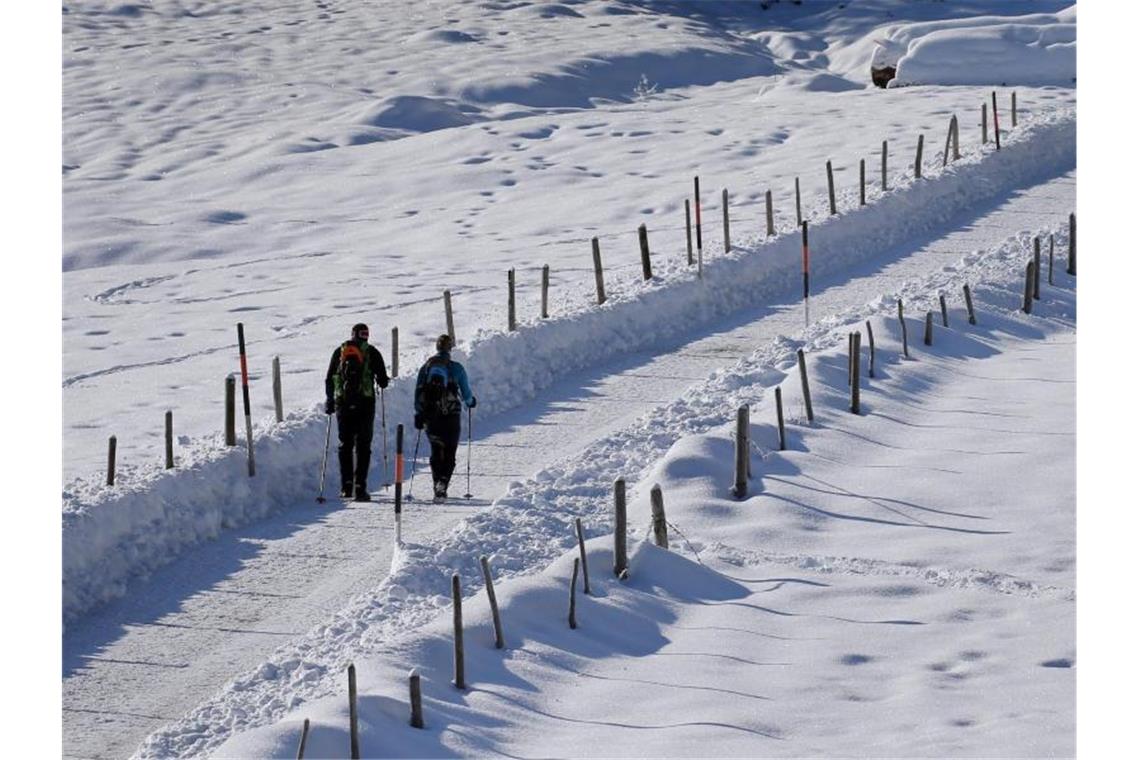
[[440, 493], [362, 495], [346, 491]]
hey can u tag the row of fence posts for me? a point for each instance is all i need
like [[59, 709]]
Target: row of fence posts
[[951, 149], [1033, 266]]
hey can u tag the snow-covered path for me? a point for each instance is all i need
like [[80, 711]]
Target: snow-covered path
[[173, 641]]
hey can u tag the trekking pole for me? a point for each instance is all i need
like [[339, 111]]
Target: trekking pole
[[468, 494], [384, 438], [415, 461], [399, 479], [325, 459]]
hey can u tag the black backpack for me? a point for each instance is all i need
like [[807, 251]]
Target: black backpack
[[352, 374], [440, 393]]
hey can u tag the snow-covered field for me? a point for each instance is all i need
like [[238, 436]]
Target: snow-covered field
[[300, 166]]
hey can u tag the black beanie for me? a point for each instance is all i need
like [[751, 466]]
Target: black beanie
[[358, 328]]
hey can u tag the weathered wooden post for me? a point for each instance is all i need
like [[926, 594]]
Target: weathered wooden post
[[112, 443], [855, 365], [1027, 302], [997, 128], [724, 205], [969, 306], [490, 584], [884, 166], [780, 418], [1050, 258], [245, 400], [831, 187], [804, 383], [511, 324], [457, 622], [871, 349], [169, 436], [906, 351], [1036, 269], [304, 740], [415, 698], [688, 233], [395, 351], [928, 334], [545, 291], [954, 126], [657, 509], [799, 212], [599, 282], [1072, 244], [945, 314], [985, 124], [582, 555], [353, 728], [643, 241], [740, 487], [700, 245], [850, 355], [231, 426], [621, 562], [278, 404], [1013, 108], [949, 134], [448, 315], [862, 182], [918, 159], [768, 213], [573, 596]]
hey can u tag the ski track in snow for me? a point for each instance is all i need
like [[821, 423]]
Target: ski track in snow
[[257, 588]]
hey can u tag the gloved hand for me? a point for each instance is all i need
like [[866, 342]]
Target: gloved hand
[[471, 405], [330, 406], [419, 422], [382, 381]]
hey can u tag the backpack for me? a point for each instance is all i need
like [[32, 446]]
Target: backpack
[[440, 394], [353, 381]]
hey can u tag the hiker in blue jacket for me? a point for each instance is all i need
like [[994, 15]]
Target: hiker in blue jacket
[[441, 392]]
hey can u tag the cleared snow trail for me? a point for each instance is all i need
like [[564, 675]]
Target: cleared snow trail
[[175, 639]]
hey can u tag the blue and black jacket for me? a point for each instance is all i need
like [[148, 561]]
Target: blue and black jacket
[[457, 384]]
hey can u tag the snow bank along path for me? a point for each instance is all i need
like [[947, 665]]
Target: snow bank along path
[[897, 583], [111, 534], [527, 527]]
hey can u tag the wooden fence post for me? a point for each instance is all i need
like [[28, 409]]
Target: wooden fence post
[[415, 697], [231, 417], [395, 357], [621, 562], [573, 597], [954, 122], [643, 241], [884, 166], [724, 205], [250, 467], [1050, 258], [862, 182], [599, 282], [740, 487], [799, 212], [997, 127], [545, 291], [1036, 269], [780, 418], [112, 443], [855, 365], [1013, 108], [304, 739], [457, 622], [769, 213], [688, 233], [949, 134], [353, 729], [985, 124], [831, 187], [850, 354], [906, 351], [871, 350], [490, 584], [1027, 302], [448, 315], [582, 555], [969, 305], [278, 405], [657, 508], [511, 324], [804, 383], [1072, 244], [928, 334], [169, 436], [918, 159], [697, 210]]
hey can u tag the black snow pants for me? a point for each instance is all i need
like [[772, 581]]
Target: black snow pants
[[354, 429], [443, 433]]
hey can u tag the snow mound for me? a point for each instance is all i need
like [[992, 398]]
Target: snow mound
[[416, 113]]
